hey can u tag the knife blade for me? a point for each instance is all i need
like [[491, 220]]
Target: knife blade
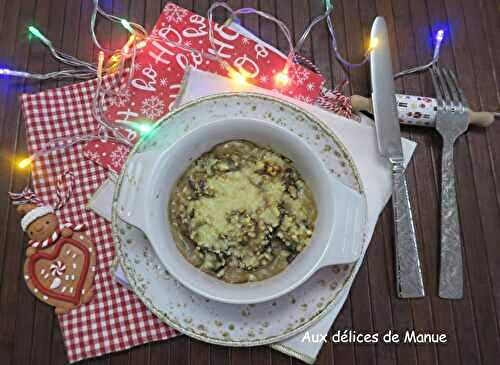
[[408, 268]]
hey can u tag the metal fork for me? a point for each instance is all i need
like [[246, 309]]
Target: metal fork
[[451, 121]]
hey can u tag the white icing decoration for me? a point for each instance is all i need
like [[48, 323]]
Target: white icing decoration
[[45, 297], [55, 283], [34, 214]]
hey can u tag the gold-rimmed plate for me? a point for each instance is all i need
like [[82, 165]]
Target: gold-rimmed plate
[[229, 324]]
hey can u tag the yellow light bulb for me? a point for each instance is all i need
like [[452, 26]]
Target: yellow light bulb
[[114, 58], [130, 42], [24, 163], [282, 78], [142, 44], [100, 64], [373, 44], [237, 76], [240, 79]]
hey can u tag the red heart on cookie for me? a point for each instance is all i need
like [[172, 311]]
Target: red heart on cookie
[[61, 272]]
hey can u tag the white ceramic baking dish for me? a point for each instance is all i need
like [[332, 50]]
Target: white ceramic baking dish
[[337, 234]]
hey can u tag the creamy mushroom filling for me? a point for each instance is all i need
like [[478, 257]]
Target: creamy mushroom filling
[[241, 212]]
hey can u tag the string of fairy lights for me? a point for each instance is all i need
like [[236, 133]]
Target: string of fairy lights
[[120, 63]]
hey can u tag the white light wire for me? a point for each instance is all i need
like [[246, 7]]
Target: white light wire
[[434, 60], [88, 70], [234, 14], [327, 15]]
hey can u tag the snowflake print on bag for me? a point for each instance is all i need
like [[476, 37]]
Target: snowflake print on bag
[[153, 107], [121, 97], [174, 13], [92, 155], [310, 86], [164, 82], [299, 75], [264, 79], [118, 157]]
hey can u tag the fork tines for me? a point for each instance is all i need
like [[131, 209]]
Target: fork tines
[[445, 83]]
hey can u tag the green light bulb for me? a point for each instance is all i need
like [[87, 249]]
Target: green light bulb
[[144, 128], [126, 24], [35, 32]]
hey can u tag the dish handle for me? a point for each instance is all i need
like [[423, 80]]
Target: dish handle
[[131, 203], [349, 230]]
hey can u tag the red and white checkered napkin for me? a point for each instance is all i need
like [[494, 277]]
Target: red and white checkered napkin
[[115, 319]]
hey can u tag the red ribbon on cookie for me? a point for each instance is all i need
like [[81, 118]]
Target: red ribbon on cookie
[[55, 236]]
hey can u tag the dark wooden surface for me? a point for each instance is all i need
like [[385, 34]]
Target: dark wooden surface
[[29, 333]]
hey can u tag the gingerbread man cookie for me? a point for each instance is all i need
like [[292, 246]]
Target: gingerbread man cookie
[[60, 260]]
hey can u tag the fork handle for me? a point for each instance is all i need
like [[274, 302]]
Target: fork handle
[[451, 268], [408, 270]]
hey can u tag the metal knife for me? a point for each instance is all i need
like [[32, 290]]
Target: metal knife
[[408, 270]]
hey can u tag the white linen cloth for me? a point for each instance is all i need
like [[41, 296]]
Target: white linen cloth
[[360, 141]]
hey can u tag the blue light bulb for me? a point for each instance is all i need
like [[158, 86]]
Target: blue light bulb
[[440, 35]]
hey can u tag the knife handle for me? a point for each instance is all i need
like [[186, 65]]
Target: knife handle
[[408, 270]]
